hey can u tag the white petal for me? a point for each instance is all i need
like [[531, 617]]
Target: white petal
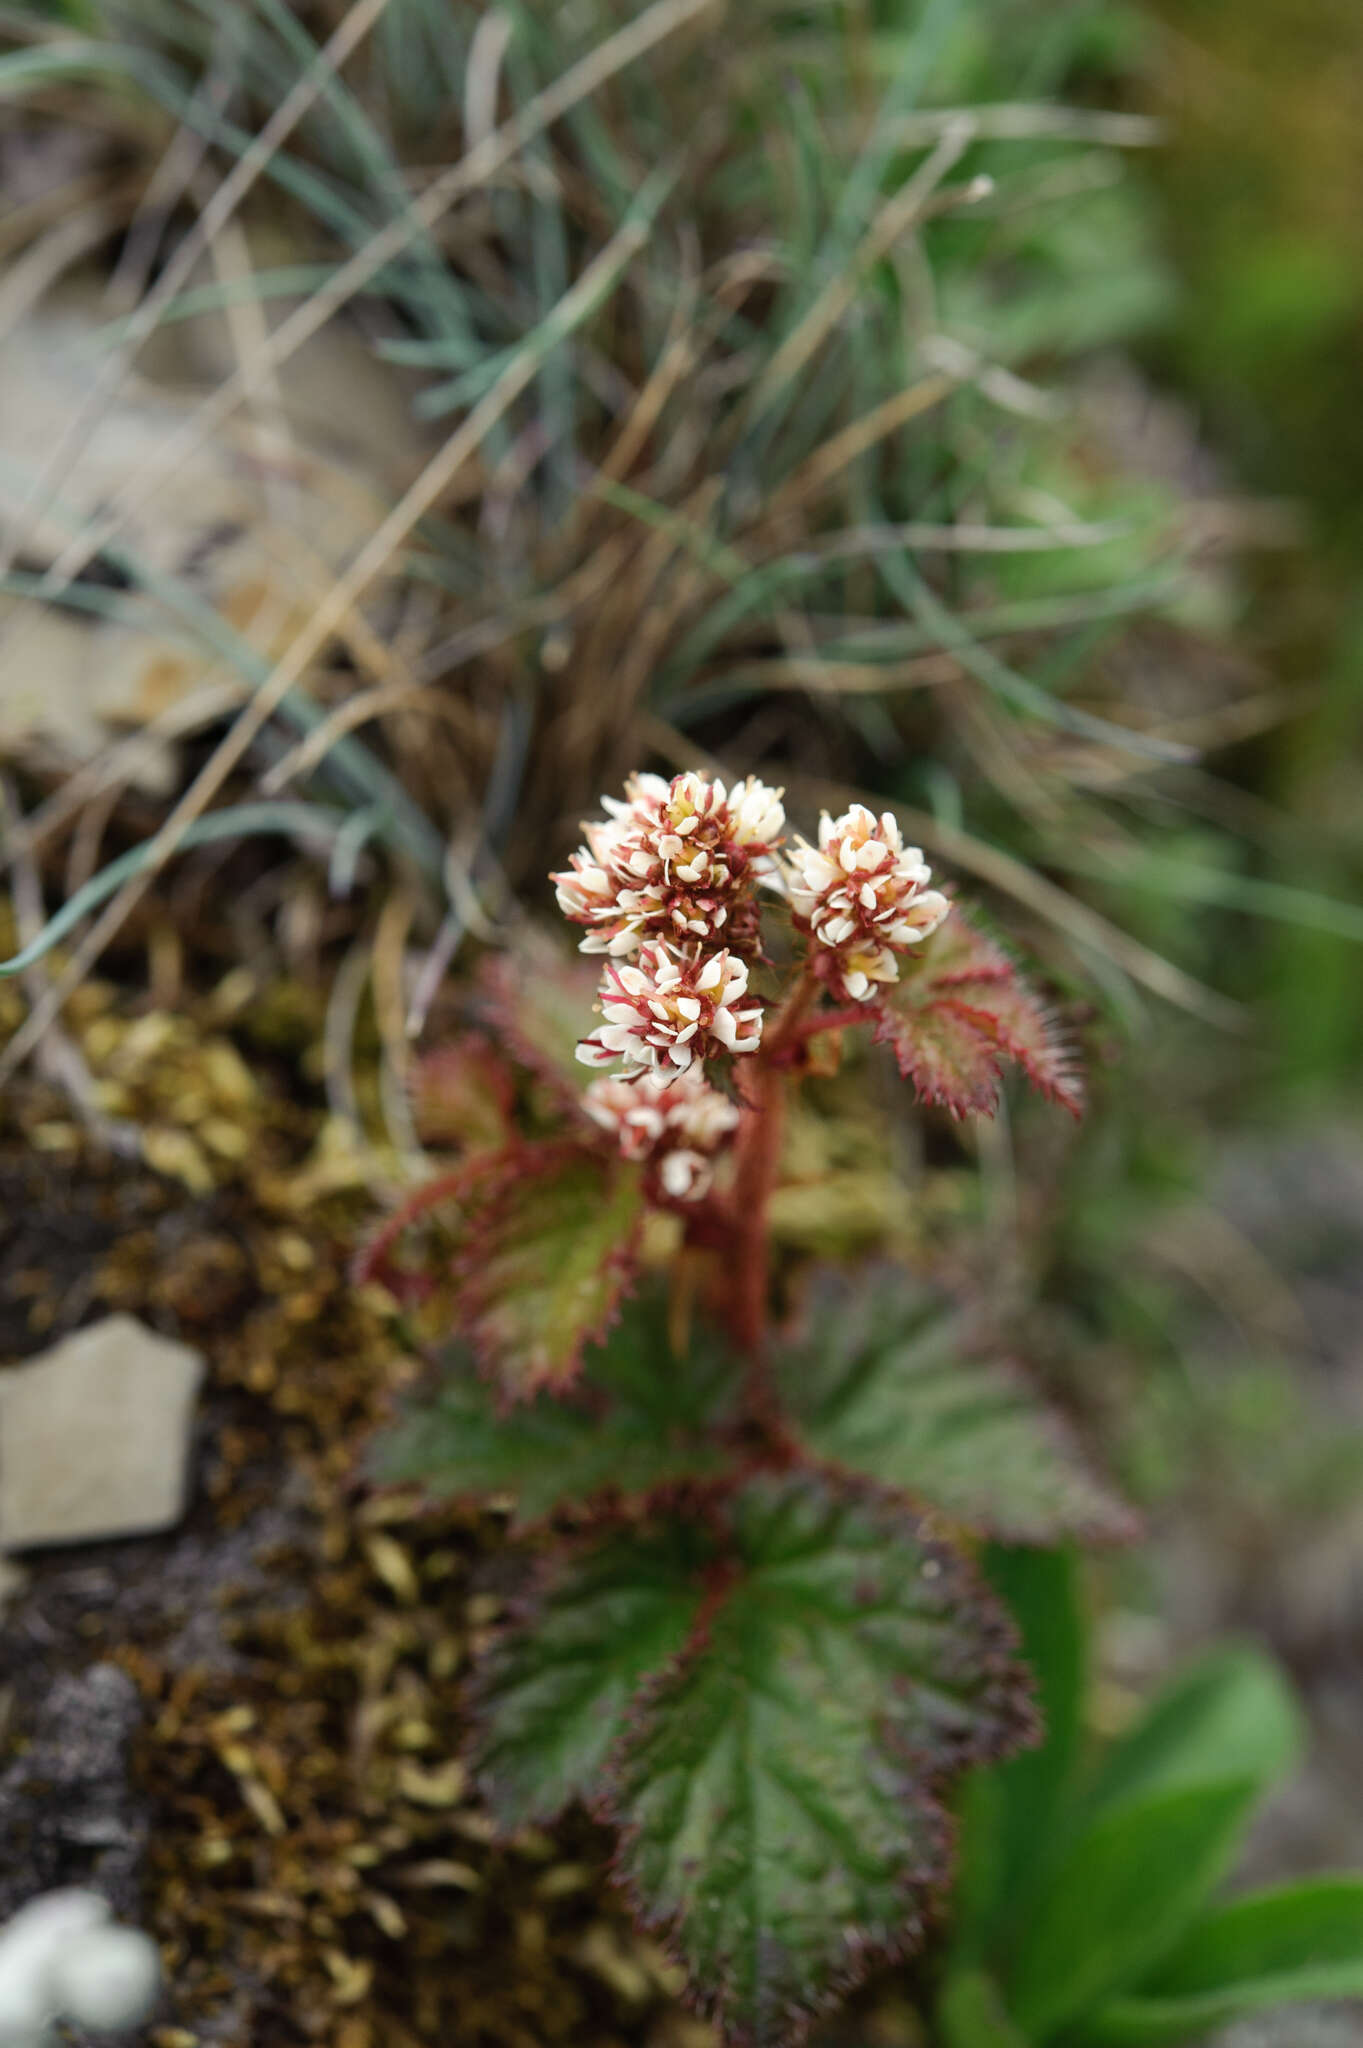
[[927, 912]]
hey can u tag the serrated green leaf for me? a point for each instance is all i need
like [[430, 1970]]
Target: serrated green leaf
[[884, 1383], [554, 1692], [1299, 1942], [971, 2014], [640, 1419], [554, 1253], [1121, 1898], [779, 1792], [1231, 1714]]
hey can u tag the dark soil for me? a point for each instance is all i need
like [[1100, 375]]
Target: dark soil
[[247, 1732]]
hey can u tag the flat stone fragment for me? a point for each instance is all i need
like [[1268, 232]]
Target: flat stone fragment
[[95, 1436]]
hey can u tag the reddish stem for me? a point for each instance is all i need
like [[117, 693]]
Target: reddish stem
[[833, 1020], [759, 1153], [758, 1162]]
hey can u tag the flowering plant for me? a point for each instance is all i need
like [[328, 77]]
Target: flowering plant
[[755, 1640]]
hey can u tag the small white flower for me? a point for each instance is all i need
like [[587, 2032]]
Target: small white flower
[[631, 1111], [685, 1175], [679, 1124], [863, 896], [666, 1008]]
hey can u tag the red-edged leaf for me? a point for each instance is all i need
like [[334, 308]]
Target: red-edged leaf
[[960, 1013], [413, 1254], [538, 1002], [554, 1253], [887, 1381], [778, 1787], [553, 1690], [643, 1417], [952, 1062], [463, 1095]]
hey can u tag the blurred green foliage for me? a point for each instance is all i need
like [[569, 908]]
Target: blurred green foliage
[[1260, 205], [1086, 1914]]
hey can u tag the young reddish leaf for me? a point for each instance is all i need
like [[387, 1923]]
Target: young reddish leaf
[[539, 1003], [463, 1095], [552, 1694], [414, 1254], [779, 1791], [960, 1012], [553, 1254], [639, 1419], [887, 1381]]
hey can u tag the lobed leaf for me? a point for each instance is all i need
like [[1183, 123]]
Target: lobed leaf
[[779, 1791], [415, 1251], [883, 1383], [553, 1694], [640, 1419], [554, 1252], [960, 1013]]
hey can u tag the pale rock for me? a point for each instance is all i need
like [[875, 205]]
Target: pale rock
[[253, 524], [95, 1436]]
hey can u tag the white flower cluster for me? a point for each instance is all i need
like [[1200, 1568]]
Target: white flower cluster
[[662, 1010], [666, 887], [675, 861], [863, 896], [63, 1958], [677, 1127]]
